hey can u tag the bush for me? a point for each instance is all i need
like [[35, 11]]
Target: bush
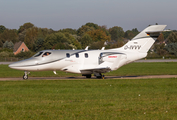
[[6, 49], [25, 54], [4, 54]]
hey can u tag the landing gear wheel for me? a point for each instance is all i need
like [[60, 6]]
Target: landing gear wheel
[[101, 76], [88, 76], [25, 77]]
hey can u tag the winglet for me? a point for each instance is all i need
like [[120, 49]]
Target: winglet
[[87, 48], [102, 48]]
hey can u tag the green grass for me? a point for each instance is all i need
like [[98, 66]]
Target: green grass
[[154, 68], [151, 99], [168, 68]]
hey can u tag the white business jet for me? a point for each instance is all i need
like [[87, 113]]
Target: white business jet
[[88, 62]]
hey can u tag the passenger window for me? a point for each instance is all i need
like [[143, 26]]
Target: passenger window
[[86, 55], [77, 55], [67, 55], [46, 54]]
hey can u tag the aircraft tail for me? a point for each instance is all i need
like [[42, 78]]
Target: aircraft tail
[[144, 40]]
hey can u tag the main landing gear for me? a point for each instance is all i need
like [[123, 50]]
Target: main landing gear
[[98, 75], [88, 76], [25, 76]]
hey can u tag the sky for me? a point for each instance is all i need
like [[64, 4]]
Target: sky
[[60, 14]]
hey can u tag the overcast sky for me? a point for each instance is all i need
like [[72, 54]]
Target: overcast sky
[[60, 14]]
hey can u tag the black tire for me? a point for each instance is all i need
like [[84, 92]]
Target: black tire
[[25, 77], [88, 76]]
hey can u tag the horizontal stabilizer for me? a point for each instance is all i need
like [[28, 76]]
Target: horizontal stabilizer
[[151, 29]]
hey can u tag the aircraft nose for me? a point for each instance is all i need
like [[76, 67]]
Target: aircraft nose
[[23, 65], [13, 65], [10, 66], [17, 65]]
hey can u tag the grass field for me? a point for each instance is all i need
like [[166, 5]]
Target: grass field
[[135, 99], [151, 99], [166, 68]]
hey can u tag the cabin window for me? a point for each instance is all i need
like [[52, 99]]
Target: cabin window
[[86, 55], [77, 55], [38, 54], [67, 55], [46, 54]]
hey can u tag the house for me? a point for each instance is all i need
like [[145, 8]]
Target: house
[[20, 47]]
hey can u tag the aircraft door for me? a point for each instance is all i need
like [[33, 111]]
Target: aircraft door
[[100, 58]]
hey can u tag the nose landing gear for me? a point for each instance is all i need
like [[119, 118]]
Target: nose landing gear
[[25, 76]]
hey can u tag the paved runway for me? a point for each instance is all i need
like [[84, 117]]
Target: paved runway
[[148, 60], [157, 60], [5, 63], [93, 78]]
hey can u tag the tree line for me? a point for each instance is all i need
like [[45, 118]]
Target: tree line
[[90, 34]]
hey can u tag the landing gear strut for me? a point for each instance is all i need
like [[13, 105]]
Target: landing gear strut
[[25, 76]]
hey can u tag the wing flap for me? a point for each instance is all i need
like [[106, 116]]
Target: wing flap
[[98, 70]]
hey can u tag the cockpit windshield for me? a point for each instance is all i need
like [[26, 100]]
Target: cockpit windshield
[[38, 54], [46, 54]]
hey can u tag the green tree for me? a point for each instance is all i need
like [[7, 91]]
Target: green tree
[[86, 40], [129, 34], [5, 44], [61, 40], [104, 28], [73, 42], [25, 55], [9, 35], [98, 35], [97, 45], [56, 41], [116, 33], [1, 43], [160, 39], [115, 44], [172, 38], [2, 28], [39, 44], [135, 30], [95, 26], [8, 45], [82, 30], [69, 30], [166, 34], [25, 26], [160, 49], [172, 48], [30, 37]]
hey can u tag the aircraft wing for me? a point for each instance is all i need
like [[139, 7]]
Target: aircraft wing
[[98, 70]]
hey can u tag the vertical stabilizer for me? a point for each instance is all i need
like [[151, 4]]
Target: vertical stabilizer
[[144, 40]]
